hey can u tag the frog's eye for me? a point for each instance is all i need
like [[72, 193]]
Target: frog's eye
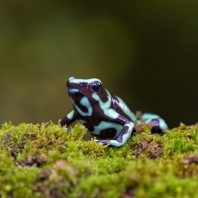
[[67, 83], [96, 86]]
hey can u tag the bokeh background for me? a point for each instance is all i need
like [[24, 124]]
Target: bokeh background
[[146, 52]]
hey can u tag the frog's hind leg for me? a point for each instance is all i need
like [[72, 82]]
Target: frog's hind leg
[[157, 122]]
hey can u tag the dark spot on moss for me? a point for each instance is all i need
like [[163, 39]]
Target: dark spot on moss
[[34, 161], [189, 160]]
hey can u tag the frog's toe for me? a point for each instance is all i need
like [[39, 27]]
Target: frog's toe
[[159, 125], [103, 142], [67, 129]]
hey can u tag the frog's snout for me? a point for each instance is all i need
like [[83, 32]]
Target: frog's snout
[[71, 78], [71, 89]]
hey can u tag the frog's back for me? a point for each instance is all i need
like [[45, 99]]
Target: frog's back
[[121, 107], [158, 123]]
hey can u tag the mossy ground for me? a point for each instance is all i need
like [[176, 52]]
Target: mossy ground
[[46, 161]]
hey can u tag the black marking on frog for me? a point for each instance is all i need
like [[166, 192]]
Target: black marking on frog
[[107, 133]]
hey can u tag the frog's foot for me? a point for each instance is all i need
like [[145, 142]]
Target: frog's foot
[[103, 142], [159, 125]]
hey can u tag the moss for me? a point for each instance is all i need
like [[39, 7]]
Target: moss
[[180, 140], [47, 161]]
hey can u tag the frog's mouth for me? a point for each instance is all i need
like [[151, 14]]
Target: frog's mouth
[[75, 93]]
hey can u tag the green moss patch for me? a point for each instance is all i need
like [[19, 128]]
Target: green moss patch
[[47, 161]]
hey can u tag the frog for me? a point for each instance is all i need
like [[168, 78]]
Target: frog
[[106, 116]]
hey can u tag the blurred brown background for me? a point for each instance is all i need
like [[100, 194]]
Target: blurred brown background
[[143, 51]]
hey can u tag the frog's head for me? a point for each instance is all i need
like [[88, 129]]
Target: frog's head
[[87, 89]]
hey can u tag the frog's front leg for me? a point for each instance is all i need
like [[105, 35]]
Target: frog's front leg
[[125, 133], [68, 119]]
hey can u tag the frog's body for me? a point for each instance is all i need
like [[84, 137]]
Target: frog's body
[[105, 116]]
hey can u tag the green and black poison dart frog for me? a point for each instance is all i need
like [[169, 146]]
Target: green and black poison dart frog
[[104, 115]]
